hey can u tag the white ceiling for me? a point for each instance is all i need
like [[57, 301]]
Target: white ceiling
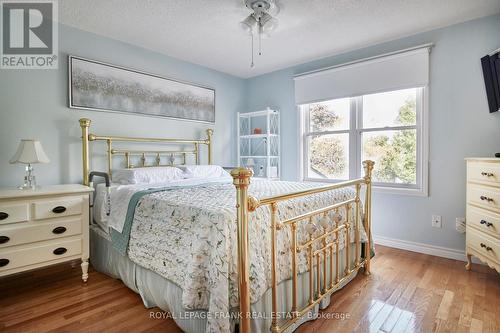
[[206, 32]]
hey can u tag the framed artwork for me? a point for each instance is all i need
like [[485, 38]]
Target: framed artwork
[[94, 85]]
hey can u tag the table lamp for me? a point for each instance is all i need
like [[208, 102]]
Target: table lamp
[[29, 152]]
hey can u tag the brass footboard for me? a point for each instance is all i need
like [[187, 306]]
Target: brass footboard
[[328, 241]]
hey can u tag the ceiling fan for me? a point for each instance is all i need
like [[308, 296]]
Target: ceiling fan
[[260, 22]]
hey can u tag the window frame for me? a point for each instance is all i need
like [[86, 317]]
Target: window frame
[[356, 131]]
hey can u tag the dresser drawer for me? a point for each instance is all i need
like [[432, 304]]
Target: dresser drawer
[[39, 231], [57, 207], [13, 212], [484, 244], [484, 220], [484, 196], [27, 255], [484, 172]]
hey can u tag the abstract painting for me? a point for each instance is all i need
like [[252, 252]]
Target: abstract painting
[[98, 86]]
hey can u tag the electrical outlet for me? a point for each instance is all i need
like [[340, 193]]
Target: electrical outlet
[[436, 221]]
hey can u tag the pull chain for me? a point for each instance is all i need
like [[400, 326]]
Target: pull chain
[[260, 42], [252, 65]]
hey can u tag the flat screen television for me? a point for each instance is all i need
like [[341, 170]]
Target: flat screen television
[[491, 73]]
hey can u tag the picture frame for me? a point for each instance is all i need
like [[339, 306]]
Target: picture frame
[[98, 86]]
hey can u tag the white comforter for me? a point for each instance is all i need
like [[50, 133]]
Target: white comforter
[[188, 235]]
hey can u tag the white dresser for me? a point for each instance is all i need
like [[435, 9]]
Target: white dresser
[[483, 211], [42, 227]]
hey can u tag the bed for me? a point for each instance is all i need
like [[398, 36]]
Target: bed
[[230, 251]]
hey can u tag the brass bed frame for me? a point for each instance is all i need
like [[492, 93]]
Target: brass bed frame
[[328, 240]]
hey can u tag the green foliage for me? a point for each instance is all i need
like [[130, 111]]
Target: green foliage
[[323, 118], [407, 113], [395, 157], [327, 153], [327, 156]]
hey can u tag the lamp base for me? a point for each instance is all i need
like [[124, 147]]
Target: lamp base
[[29, 179], [27, 187]]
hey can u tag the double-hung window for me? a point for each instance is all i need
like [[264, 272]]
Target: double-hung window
[[385, 127], [388, 127]]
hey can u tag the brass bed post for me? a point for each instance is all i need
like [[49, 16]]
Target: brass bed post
[[84, 125], [274, 260], [368, 167], [241, 180], [197, 153], [210, 132]]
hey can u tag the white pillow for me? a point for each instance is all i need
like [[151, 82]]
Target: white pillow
[[147, 175], [204, 171]]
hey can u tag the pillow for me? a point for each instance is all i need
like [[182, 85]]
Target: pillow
[[204, 171], [147, 175]]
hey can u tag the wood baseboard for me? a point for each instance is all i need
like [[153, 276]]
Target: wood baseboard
[[433, 250]]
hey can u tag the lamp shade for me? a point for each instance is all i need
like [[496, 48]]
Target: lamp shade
[[248, 24], [29, 151]]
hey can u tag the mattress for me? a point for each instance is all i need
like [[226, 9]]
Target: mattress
[[156, 291]]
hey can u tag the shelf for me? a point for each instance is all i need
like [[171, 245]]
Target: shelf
[[259, 156], [256, 136], [258, 113]]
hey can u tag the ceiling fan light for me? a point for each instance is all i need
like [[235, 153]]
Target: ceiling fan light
[[248, 24], [268, 24]]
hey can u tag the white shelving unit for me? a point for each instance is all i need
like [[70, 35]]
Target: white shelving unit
[[260, 151]]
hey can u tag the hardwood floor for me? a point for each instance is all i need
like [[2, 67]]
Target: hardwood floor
[[407, 292]]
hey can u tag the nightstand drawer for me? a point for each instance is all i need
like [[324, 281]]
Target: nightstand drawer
[[484, 244], [58, 207], [39, 231], [484, 172], [13, 212], [484, 220], [484, 196], [20, 256]]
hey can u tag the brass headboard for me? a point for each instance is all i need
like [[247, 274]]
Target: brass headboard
[[128, 153]]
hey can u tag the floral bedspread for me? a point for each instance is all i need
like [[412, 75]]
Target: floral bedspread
[[188, 235]]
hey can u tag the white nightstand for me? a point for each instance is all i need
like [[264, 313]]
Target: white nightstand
[[43, 227]]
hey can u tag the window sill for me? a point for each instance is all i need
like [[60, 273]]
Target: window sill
[[417, 192]]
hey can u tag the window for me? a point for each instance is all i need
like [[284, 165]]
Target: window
[[385, 127]]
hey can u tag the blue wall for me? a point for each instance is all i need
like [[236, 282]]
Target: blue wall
[[33, 104], [460, 126]]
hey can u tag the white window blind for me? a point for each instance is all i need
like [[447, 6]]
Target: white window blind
[[400, 70]]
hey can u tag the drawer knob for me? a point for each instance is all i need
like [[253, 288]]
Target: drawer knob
[[484, 198], [4, 239], [488, 224], [3, 215], [484, 246], [4, 262], [487, 174], [59, 209], [59, 230], [59, 251]]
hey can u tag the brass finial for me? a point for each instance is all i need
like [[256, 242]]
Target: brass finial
[[84, 122], [368, 167], [241, 176]]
